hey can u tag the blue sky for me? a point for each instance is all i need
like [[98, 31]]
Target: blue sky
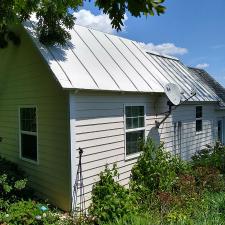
[[194, 29]]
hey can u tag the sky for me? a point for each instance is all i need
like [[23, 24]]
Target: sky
[[193, 31]]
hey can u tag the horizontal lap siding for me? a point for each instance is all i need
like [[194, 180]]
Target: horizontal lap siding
[[193, 141], [100, 131], [25, 80]]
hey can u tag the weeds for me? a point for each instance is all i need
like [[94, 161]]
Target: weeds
[[163, 190]]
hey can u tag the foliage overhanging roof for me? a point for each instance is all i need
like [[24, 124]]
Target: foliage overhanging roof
[[93, 60]]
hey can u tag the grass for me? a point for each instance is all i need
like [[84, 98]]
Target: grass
[[209, 211], [163, 191], [144, 219]]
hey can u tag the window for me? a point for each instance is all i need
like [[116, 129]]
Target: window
[[28, 133], [198, 118], [220, 131], [135, 127]]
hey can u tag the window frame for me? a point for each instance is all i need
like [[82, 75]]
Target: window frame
[[134, 155], [222, 129], [198, 119], [28, 133]]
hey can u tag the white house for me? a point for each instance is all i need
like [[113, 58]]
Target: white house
[[100, 93]]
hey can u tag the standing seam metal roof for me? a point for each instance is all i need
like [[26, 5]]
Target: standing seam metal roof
[[210, 82], [94, 60]]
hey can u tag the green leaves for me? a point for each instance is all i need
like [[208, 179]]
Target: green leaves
[[155, 171], [53, 20], [16, 208], [27, 213], [110, 200], [116, 9], [13, 184], [212, 156], [54, 17]]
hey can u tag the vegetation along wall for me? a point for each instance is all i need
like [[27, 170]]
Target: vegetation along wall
[[26, 81]]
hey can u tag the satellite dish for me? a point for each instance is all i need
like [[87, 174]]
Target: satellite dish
[[173, 93]]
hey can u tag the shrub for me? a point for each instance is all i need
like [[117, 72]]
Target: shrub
[[15, 206], [186, 185], [13, 184], [156, 170], [211, 156], [27, 212], [110, 200], [209, 178]]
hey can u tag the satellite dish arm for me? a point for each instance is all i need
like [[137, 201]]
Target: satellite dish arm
[[168, 113], [159, 123], [185, 100]]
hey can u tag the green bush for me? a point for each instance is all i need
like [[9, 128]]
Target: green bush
[[110, 200], [15, 206], [209, 178], [211, 156], [156, 170], [13, 184], [186, 185], [26, 213], [163, 185]]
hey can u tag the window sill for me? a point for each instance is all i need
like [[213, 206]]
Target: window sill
[[132, 156], [198, 132], [29, 161]]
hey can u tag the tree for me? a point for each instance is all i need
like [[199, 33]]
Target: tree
[[54, 17]]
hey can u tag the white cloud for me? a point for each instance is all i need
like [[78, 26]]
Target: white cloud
[[99, 22], [164, 48], [202, 65]]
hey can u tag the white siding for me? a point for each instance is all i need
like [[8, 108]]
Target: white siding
[[191, 141], [26, 80], [100, 130], [220, 115]]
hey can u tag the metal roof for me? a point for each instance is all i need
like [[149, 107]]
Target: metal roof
[[210, 82], [94, 60]]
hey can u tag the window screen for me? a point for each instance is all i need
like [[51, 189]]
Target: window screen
[[198, 118], [28, 133], [135, 128]]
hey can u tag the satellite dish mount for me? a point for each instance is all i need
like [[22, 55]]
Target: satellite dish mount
[[173, 93]]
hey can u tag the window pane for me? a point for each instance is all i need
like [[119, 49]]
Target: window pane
[[141, 121], [128, 111], [132, 141], [134, 117], [198, 125], [29, 146], [134, 111], [135, 122], [141, 111], [220, 131], [199, 112], [28, 119], [129, 123]]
